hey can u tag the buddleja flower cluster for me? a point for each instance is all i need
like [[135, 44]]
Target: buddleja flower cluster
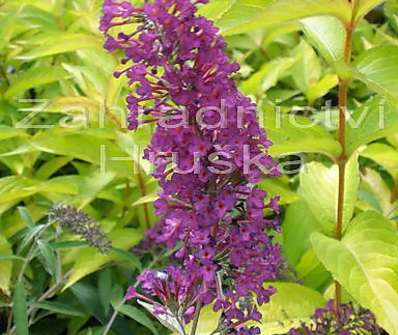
[[206, 133], [348, 320], [81, 224]]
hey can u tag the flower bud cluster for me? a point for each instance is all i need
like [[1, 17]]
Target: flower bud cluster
[[81, 224]]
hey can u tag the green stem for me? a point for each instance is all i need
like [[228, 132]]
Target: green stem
[[113, 317], [182, 326], [196, 318], [32, 311], [142, 187]]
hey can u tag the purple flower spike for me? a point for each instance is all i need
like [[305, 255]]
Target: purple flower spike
[[208, 150], [349, 320]]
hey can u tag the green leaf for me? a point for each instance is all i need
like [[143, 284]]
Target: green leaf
[[105, 289], [373, 120], [61, 43], [88, 146], [307, 70], [87, 295], [50, 259], [272, 34], [7, 132], [16, 188], [375, 185], [128, 256], [321, 87], [298, 225], [225, 13], [11, 258], [13, 223], [319, 187], [378, 68], [238, 16], [6, 28], [365, 6], [327, 34], [20, 310], [129, 143], [5, 264], [139, 316], [78, 105], [33, 15], [58, 308], [366, 265], [279, 187], [267, 76], [91, 185], [29, 236], [51, 166], [297, 134], [289, 306], [147, 199], [90, 80], [88, 260], [33, 78], [68, 245], [311, 272], [117, 295], [384, 155], [26, 217]]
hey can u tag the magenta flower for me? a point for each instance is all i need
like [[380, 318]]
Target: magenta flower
[[208, 150]]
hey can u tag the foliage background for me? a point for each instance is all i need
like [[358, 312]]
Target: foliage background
[[63, 140]]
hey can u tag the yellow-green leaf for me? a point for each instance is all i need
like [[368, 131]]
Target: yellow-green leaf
[[365, 6], [33, 78], [61, 43], [297, 134], [289, 306], [365, 263], [238, 16], [5, 265], [378, 68], [318, 188], [327, 34], [373, 120], [88, 260]]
